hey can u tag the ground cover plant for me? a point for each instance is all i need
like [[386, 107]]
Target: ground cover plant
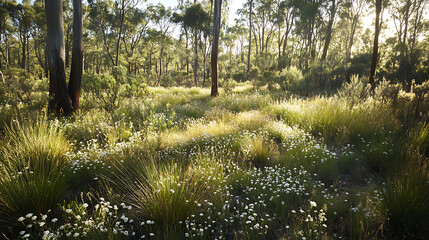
[[248, 164]]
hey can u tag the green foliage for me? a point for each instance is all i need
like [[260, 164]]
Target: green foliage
[[106, 91], [228, 85], [290, 79], [354, 91]]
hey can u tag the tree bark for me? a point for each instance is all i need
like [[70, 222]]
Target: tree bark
[[378, 6], [59, 98], [77, 55], [250, 35], [118, 42], [329, 30], [215, 45], [196, 56]]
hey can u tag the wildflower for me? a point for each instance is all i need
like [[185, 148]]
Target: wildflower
[[313, 204], [29, 215], [172, 191], [85, 205], [20, 219], [54, 220], [68, 210], [22, 233]]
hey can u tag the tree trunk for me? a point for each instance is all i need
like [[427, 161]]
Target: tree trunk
[[351, 40], [23, 52], [59, 98], [329, 30], [250, 35], [77, 55], [118, 43], [187, 51], [215, 45], [378, 5], [196, 56]]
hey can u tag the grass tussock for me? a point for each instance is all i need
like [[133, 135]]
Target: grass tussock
[[33, 158]]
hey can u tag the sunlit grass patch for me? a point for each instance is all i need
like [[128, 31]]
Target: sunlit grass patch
[[241, 102], [178, 95], [336, 119], [246, 87], [228, 124]]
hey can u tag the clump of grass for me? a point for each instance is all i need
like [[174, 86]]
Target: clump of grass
[[166, 194], [406, 200], [420, 138], [259, 150], [32, 161]]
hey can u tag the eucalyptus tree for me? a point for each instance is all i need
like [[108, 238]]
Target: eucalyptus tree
[[378, 8], [63, 99], [39, 35], [283, 18], [229, 38], [332, 7], [216, 29], [161, 17], [6, 30], [246, 14], [108, 19], [238, 34], [263, 24], [196, 18], [308, 27], [77, 55], [353, 12], [408, 18], [178, 18], [23, 17], [134, 30]]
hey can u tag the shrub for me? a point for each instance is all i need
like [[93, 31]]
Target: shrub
[[354, 91], [228, 85], [290, 78]]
